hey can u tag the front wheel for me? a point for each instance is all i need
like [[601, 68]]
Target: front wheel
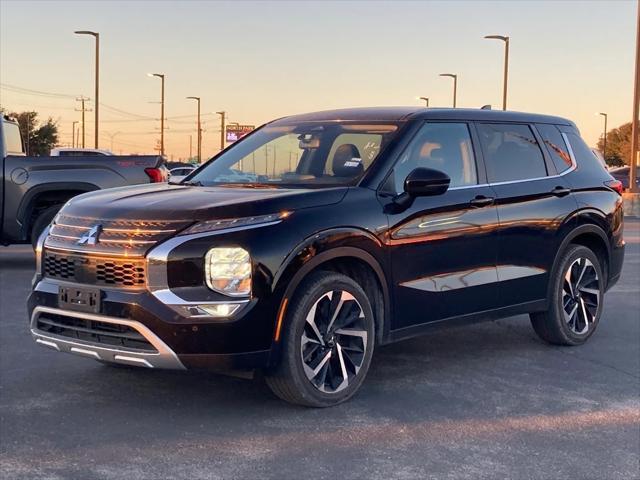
[[575, 302], [327, 342]]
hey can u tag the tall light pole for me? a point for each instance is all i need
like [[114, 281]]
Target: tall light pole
[[426, 100], [222, 118], [73, 135], [199, 141], [604, 137], [506, 66], [95, 35], [455, 86], [112, 136], [161, 77], [635, 126]]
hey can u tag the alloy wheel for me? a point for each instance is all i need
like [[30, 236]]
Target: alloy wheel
[[334, 341], [580, 295]]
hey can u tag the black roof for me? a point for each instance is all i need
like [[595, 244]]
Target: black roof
[[390, 114]]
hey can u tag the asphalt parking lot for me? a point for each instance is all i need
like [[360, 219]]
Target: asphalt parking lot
[[486, 401]]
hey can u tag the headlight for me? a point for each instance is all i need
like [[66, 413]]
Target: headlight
[[223, 224], [228, 270]]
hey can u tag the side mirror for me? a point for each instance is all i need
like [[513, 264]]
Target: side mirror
[[423, 182]]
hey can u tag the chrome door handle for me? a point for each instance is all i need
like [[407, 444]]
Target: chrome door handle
[[481, 201]]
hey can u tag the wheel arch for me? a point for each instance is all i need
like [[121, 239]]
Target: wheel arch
[[591, 236], [41, 197], [350, 251]]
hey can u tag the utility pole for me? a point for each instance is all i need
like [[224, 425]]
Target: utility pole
[[199, 138], [161, 77], [190, 147], [73, 135], [635, 127], [222, 126], [455, 86], [95, 35], [83, 109], [506, 66]]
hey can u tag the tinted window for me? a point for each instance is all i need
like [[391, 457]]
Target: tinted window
[[441, 146], [585, 157], [511, 152], [556, 146], [12, 138]]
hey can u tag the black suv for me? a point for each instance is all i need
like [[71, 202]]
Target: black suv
[[318, 236]]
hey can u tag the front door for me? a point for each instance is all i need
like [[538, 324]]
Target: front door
[[442, 248]]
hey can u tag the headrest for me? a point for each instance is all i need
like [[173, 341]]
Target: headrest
[[347, 161]]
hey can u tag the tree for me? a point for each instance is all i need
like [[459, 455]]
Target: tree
[[39, 138], [618, 145]]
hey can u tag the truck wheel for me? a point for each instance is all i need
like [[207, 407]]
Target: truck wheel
[[41, 222], [327, 342], [575, 302]]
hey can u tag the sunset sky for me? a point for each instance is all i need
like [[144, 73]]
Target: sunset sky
[[262, 60]]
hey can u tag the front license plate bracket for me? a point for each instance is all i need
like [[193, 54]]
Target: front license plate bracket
[[80, 299]]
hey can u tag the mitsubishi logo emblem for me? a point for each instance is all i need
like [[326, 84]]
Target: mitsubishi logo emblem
[[91, 237]]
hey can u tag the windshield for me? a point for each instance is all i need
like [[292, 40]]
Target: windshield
[[306, 155]]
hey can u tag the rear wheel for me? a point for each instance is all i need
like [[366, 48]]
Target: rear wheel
[[575, 303], [328, 342]]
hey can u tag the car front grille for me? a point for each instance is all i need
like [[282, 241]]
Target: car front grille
[[96, 332], [131, 238], [109, 272]]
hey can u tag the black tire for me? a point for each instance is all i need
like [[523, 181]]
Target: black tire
[[558, 325], [41, 222], [324, 291]]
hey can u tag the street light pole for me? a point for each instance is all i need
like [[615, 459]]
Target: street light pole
[[455, 86], [635, 127], [199, 138], [95, 35], [506, 66], [426, 100], [222, 119], [161, 77], [604, 138]]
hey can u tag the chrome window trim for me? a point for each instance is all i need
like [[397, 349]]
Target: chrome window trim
[[574, 165], [163, 358]]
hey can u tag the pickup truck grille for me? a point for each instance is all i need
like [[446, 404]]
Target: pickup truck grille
[[93, 331], [130, 238], [108, 272]]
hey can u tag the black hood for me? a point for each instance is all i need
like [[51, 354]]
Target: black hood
[[178, 202]]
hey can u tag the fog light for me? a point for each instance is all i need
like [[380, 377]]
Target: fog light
[[218, 310]]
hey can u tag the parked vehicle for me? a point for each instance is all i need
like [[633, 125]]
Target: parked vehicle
[[32, 189], [622, 175], [78, 152], [314, 239], [176, 175]]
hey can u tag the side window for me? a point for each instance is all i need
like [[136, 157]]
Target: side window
[[585, 157], [556, 146], [441, 146], [511, 152]]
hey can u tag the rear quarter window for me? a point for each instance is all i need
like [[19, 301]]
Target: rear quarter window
[[556, 147], [585, 158]]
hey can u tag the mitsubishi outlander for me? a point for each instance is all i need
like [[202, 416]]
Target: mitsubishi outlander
[[317, 237]]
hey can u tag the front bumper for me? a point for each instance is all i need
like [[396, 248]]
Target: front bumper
[[238, 344]]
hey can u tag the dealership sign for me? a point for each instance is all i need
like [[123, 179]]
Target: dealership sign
[[236, 132]]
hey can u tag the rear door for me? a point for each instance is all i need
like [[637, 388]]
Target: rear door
[[534, 203], [443, 248]]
